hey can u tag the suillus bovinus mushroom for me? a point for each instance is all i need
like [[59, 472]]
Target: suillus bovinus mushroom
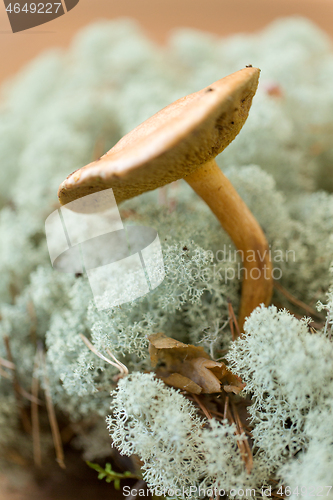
[[182, 141]]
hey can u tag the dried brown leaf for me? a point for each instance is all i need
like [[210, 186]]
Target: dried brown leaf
[[183, 383], [184, 363]]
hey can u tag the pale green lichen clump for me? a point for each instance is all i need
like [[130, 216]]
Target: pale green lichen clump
[[67, 108], [161, 426], [288, 372]]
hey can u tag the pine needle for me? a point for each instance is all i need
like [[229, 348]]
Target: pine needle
[[17, 390], [202, 406], [231, 323], [4, 374], [310, 310], [117, 364], [249, 457], [243, 445], [234, 319], [51, 414], [7, 364], [34, 414]]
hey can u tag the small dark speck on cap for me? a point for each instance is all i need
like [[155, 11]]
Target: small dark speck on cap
[[209, 89], [249, 66]]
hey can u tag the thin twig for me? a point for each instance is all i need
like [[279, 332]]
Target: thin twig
[[310, 310], [240, 443], [223, 352], [231, 323], [232, 313], [139, 485], [29, 396], [7, 364], [226, 404], [314, 324], [122, 368], [249, 462], [51, 414], [17, 390], [34, 414], [4, 374], [33, 317], [174, 187], [163, 196], [202, 406], [11, 366], [327, 323], [217, 413]]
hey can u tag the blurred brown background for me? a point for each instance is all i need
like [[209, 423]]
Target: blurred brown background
[[157, 17]]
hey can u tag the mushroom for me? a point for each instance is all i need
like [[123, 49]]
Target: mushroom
[[182, 141]]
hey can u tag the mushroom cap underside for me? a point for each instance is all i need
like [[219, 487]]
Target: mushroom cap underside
[[171, 144]]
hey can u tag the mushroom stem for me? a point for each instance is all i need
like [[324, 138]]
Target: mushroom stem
[[209, 182]]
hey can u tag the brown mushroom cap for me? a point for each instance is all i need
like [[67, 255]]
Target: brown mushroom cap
[[171, 144]]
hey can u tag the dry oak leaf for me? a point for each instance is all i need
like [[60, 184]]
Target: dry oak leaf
[[190, 368]]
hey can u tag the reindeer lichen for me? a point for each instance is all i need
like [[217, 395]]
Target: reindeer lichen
[[69, 107]]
